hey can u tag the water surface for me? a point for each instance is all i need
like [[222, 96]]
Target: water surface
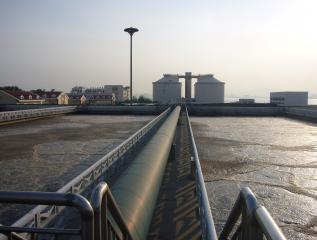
[[275, 157], [43, 155]]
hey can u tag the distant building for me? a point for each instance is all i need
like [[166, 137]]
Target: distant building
[[71, 99], [167, 89], [101, 99], [76, 99], [49, 97], [289, 98], [209, 89], [78, 90], [63, 99], [117, 90], [120, 92], [94, 91], [246, 100], [126, 93], [19, 97]]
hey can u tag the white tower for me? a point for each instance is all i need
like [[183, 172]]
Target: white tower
[[167, 89], [209, 90]]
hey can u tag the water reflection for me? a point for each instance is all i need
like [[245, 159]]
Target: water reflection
[[275, 157]]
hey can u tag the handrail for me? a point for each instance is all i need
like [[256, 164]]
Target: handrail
[[33, 113], [103, 201], [56, 199], [91, 175], [206, 219], [109, 159], [256, 220], [268, 225]]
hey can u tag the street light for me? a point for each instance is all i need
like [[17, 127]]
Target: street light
[[131, 30]]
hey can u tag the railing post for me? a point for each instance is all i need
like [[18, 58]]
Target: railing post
[[246, 206], [192, 167], [102, 201]]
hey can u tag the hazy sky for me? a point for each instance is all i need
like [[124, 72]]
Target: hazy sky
[[255, 46]]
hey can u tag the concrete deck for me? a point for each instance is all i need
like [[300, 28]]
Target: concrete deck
[[176, 212]]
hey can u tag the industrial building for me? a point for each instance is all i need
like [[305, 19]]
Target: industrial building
[[167, 89], [289, 98], [209, 90]]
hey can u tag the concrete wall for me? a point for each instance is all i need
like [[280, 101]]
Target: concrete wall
[[15, 107], [304, 113], [138, 110], [205, 110], [309, 114]]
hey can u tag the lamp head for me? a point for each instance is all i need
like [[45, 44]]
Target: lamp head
[[131, 30]]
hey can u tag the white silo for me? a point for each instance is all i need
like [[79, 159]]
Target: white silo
[[209, 89], [167, 89]]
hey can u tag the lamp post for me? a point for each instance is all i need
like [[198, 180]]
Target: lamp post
[[131, 30]]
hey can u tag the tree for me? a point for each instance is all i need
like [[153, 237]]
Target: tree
[[11, 88], [38, 90], [143, 99], [134, 99]]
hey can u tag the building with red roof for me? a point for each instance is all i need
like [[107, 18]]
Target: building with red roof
[[50, 97], [19, 97]]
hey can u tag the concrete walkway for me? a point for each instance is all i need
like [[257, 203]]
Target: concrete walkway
[[176, 212]]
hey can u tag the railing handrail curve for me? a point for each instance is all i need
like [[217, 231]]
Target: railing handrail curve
[[57, 199], [38, 110], [8, 116], [207, 222], [102, 199], [255, 221]]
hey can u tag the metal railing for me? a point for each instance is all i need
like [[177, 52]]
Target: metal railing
[[206, 219], [34, 113], [42, 215], [56, 199], [256, 222], [108, 220]]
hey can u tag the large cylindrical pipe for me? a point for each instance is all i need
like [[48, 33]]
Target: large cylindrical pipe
[[137, 189]]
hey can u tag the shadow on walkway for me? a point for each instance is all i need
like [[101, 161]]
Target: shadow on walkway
[[176, 213]]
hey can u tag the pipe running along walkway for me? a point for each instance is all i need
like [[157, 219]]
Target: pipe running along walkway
[[160, 194], [176, 214]]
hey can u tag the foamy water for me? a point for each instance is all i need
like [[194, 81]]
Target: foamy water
[[275, 157], [43, 155]]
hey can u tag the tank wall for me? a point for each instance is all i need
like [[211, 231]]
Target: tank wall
[[167, 92], [209, 93]]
